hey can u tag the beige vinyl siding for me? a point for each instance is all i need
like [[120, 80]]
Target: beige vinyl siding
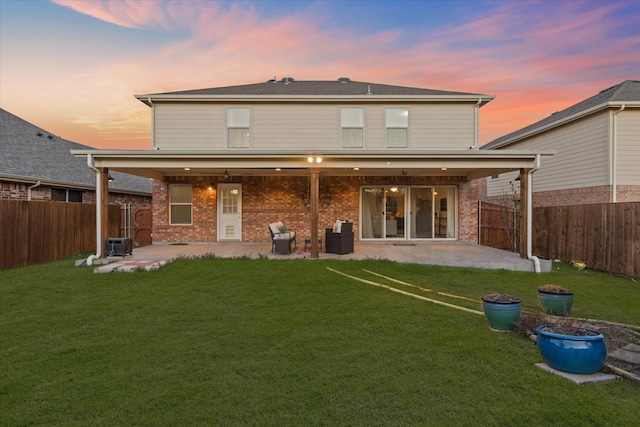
[[374, 127], [581, 159], [189, 126], [628, 156], [503, 186], [441, 126], [292, 127]]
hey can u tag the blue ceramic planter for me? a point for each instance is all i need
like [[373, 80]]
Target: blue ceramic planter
[[576, 354], [557, 304], [501, 311]]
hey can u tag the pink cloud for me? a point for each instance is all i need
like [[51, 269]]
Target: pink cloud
[[130, 13], [535, 60]]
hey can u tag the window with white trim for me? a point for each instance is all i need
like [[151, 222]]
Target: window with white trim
[[238, 127], [180, 204], [397, 124], [352, 122]]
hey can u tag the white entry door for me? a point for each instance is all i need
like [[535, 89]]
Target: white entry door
[[229, 212]]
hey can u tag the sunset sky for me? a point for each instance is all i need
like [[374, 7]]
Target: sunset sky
[[72, 67]]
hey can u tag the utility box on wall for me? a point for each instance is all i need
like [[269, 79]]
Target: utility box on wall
[[118, 246]]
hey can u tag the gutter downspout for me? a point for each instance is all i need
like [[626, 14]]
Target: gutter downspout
[[98, 254], [530, 257], [477, 122], [614, 156], [153, 121], [37, 184]]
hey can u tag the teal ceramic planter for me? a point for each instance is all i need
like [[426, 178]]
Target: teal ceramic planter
[[555, 303], [501, 311], [572, 349]]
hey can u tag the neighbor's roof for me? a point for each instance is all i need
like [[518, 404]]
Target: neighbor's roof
[[30, 154], [625, 92], [342, 87]]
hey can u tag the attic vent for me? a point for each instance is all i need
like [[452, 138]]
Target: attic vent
[[40, 134], [344, 79], [287, 80], [50, 136]]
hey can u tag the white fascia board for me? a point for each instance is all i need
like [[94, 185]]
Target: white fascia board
[[149, 99], [248, 154], [331, 159]]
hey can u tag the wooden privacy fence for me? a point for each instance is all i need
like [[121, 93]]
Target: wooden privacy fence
[[498, 226], [605, 236], [34, 232]]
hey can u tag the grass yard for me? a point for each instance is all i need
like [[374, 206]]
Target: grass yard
[[237, 342]]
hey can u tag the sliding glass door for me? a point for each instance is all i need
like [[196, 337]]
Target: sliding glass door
[[408, 212]]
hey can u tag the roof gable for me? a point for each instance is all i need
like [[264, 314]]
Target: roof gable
[[627, 91]]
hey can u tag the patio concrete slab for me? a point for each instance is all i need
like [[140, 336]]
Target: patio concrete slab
[[433, 253], [578, 378]]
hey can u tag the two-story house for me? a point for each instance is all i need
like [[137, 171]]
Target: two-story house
[[597, 144], [399, 162]]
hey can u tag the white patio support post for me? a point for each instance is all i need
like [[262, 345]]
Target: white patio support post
[[104, 207], [524, 212], [313, 196]]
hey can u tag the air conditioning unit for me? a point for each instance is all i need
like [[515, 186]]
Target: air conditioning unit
[[118, 246]]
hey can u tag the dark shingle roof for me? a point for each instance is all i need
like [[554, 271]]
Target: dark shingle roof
[[339, 87], [28, 152], [626, 91]]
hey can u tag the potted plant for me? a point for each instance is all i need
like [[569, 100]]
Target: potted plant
[[572, 348], [555, 300], [502, 311]]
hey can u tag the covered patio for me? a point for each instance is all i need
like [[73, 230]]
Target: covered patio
[[455, 254], [455, 167]]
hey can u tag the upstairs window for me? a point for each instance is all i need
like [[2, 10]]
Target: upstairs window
[[352, 120], [239, 132], [180, 204], [397, 123]]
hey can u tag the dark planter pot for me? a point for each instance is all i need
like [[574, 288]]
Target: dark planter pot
[[555, 303], [572, 349], [501, 311]]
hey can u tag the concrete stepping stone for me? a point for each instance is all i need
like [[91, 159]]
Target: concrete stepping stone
[[629, 353]]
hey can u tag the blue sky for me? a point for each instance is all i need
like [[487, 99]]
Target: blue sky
[[73, 66]]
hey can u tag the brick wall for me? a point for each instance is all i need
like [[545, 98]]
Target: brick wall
[[20, 191], [269, 199], [573, 196], [468, 211]]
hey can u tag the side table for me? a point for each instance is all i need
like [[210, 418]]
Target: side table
[[283, 246]]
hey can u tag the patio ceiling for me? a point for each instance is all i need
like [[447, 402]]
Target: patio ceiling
[[159, 164]]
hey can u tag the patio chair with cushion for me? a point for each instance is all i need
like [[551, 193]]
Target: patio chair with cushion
[[280, 239], [339, 238]]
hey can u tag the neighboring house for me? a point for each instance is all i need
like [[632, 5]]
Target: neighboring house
[[36, 165], [399, 162], [597, 145]]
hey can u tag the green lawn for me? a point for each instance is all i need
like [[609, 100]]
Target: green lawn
[[242, 342]]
